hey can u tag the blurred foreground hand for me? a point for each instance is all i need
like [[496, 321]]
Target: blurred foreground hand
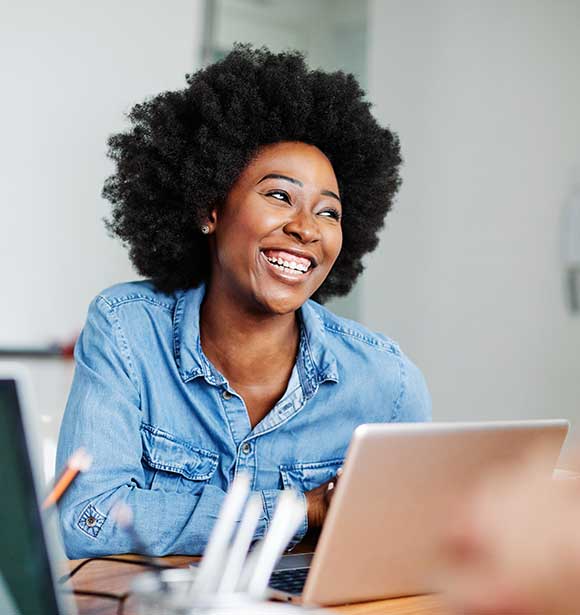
[[514, 548]]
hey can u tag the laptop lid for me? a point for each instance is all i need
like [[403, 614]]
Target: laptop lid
[[27, 577], [400, 486]]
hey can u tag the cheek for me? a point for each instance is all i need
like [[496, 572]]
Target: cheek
[[334, 244], [241, 231], [252, 220]]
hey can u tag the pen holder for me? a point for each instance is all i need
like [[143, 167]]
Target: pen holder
[[170, 592]]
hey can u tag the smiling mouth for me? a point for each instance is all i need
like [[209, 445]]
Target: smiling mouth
[[288, 263]]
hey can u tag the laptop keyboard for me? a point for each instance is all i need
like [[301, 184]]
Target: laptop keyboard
[[290, 581]]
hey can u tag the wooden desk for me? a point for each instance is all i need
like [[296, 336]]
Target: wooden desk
[[115, 577]]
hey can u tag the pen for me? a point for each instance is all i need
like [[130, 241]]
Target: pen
[[287, 518], [80, 461], [218, 543], [241, 546]]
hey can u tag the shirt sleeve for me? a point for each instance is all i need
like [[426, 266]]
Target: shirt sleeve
[[103, 416], [414, 403]]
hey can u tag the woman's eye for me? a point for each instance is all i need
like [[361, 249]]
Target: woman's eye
[[280, 195], [331, 213]]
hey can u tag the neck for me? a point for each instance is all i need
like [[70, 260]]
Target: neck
[[246, 346]]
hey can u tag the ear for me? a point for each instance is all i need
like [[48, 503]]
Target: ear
[[212, 220]]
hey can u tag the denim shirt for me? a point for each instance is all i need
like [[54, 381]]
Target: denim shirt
[[168, 434]]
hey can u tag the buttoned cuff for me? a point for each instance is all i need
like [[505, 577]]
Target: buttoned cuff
[[270, 499], [91, 521]]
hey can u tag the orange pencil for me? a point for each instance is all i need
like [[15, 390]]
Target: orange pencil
[[80, 461]]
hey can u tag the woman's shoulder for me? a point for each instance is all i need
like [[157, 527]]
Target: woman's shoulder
[[135, 292], [378, 360], [352, 332]]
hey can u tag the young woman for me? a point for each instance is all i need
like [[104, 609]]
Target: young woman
[[257, 188]]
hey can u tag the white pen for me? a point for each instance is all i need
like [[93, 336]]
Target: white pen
[[241, 545], [288, 516], [206, 579]]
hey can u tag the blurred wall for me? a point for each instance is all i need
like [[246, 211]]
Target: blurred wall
[[69, 73], [73, 70], [485, 96]]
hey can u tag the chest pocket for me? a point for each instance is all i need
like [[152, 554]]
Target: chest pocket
[[307, 476], [174, 465]]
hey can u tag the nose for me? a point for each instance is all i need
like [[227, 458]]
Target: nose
[[303, 226]]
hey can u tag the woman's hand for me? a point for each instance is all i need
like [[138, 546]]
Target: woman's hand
[[318, 501]]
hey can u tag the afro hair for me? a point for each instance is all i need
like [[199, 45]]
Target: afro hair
[[186, 148]]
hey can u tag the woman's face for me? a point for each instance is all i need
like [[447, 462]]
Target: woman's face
[[278, 234]]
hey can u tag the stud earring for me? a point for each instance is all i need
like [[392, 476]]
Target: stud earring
[[205, 229]]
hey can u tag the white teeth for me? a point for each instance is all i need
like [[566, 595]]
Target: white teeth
[[287, 264]]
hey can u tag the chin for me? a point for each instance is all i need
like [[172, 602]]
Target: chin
[[281, 304], [281, 308]]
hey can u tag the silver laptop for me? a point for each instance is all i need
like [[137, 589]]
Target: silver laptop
[[27, 579], [400, 486]]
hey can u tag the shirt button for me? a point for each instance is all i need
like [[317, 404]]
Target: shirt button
[[246, 448], [226, 395], [91, 522]]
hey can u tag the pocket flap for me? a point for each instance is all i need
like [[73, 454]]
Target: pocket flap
[[164, 451], [307, 476]]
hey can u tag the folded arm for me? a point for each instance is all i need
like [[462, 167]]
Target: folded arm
[[103, 416]]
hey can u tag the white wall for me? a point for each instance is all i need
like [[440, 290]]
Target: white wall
[[70, 70], [485, 95]]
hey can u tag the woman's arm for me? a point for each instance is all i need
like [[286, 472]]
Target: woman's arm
[[103, 416], [414, 403]]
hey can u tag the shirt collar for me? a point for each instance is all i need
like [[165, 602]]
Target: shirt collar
[[315, 357], [190, 359]]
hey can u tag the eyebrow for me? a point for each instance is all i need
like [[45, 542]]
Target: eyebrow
[[297, 182]]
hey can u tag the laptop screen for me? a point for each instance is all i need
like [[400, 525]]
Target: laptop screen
[[24, 559]]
